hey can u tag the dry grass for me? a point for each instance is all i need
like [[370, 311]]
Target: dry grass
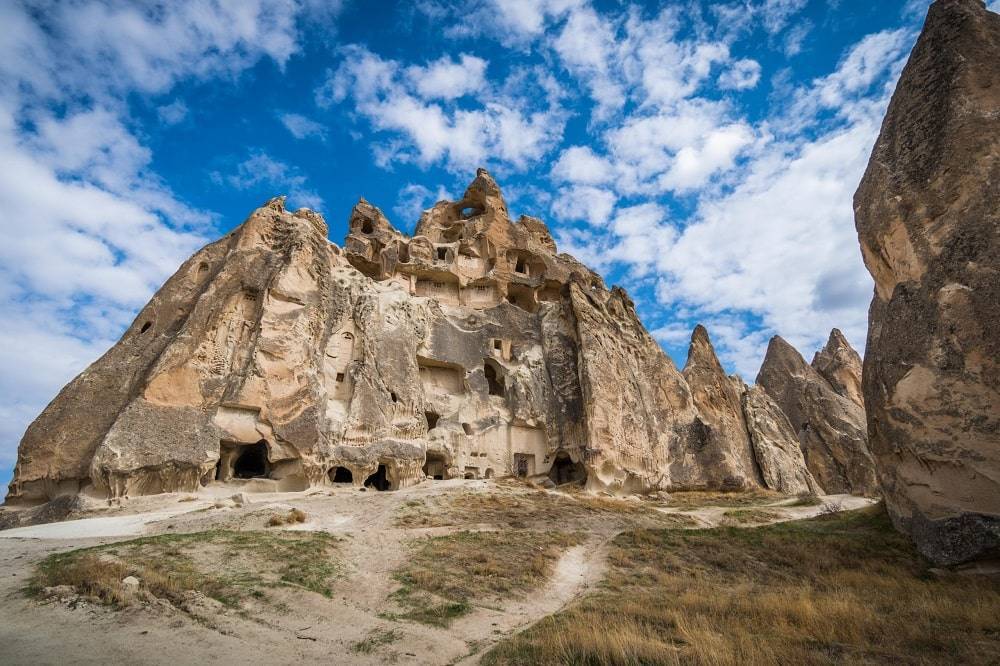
[[834, 589], [697, 499], [737, 517], [446, 576], [228, 566], [806, 499], [518, 506], [375, 639], [290, 518]]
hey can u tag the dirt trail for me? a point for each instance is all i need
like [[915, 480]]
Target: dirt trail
[[309, 628]]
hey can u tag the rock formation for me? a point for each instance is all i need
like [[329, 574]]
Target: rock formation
[[830, 428], [274, 359], [928, 217], [840, 366], [745, 437], [725, 445], [775, 445]]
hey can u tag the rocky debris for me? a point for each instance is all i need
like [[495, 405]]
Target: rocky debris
[[274, 360], [776, 446], [130, 584], [830, 428], [724, 447], [840, 366], [928, 218]]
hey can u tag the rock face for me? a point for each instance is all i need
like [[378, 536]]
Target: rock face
[[725, 442], [275, 360], [928, 218], [775, 446], [840, 366], [830, 428]]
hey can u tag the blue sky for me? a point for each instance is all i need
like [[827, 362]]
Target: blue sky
[[701, 154]]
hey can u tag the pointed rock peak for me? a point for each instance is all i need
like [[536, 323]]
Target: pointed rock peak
[[780, 354], [276, 203], [484, 192], [701, 353], [837, 346], [368, 220]]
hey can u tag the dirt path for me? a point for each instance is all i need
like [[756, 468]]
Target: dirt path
[[308, 628]]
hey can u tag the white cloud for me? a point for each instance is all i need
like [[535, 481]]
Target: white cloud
[[498, 128], [579, 164], [583, 202], [302, 127], [447, 78], [105, 231], [741, 75], [260, 169], [173, 113]]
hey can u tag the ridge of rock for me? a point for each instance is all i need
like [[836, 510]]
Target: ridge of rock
[[830, 428], [928, 217]]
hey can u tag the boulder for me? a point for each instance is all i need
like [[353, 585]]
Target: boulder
[[928, 218]]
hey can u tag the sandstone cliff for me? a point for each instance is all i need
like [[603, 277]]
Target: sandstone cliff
[[928, 217], [830, 428], [276, 360]]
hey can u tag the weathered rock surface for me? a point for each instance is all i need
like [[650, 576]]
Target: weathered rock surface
[[830, 428], [775, 445], [725, 447], [275, 360], [928, 217], [840, 366]]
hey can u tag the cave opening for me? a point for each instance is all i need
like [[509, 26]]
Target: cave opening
[[251, 461], [436, 466], [493, 382], [565, 471], [341, 475], [379, 480], [432, 419], [367, 227]]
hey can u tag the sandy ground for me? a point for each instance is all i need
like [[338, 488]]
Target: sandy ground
[[314, 629]]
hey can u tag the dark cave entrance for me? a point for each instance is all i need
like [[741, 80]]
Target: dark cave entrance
[[379, 480], [564, 470], [251, 461], [341, 475], [493, 383], [436, 466]]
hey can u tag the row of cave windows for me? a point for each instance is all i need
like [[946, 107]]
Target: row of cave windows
[[252, 463]]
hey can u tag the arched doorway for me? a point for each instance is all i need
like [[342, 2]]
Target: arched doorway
[[341, 475], [564, 470], [251, 461], [379, 480]]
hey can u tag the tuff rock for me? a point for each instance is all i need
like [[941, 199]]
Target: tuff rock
[[840, 366], [275, 360], [928, 218], [830, 428]]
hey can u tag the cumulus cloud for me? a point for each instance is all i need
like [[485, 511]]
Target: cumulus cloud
[[447, 78], [105, 231], [302, 127], [579, 164], [582, 202], [496, 127], [741, 75]]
